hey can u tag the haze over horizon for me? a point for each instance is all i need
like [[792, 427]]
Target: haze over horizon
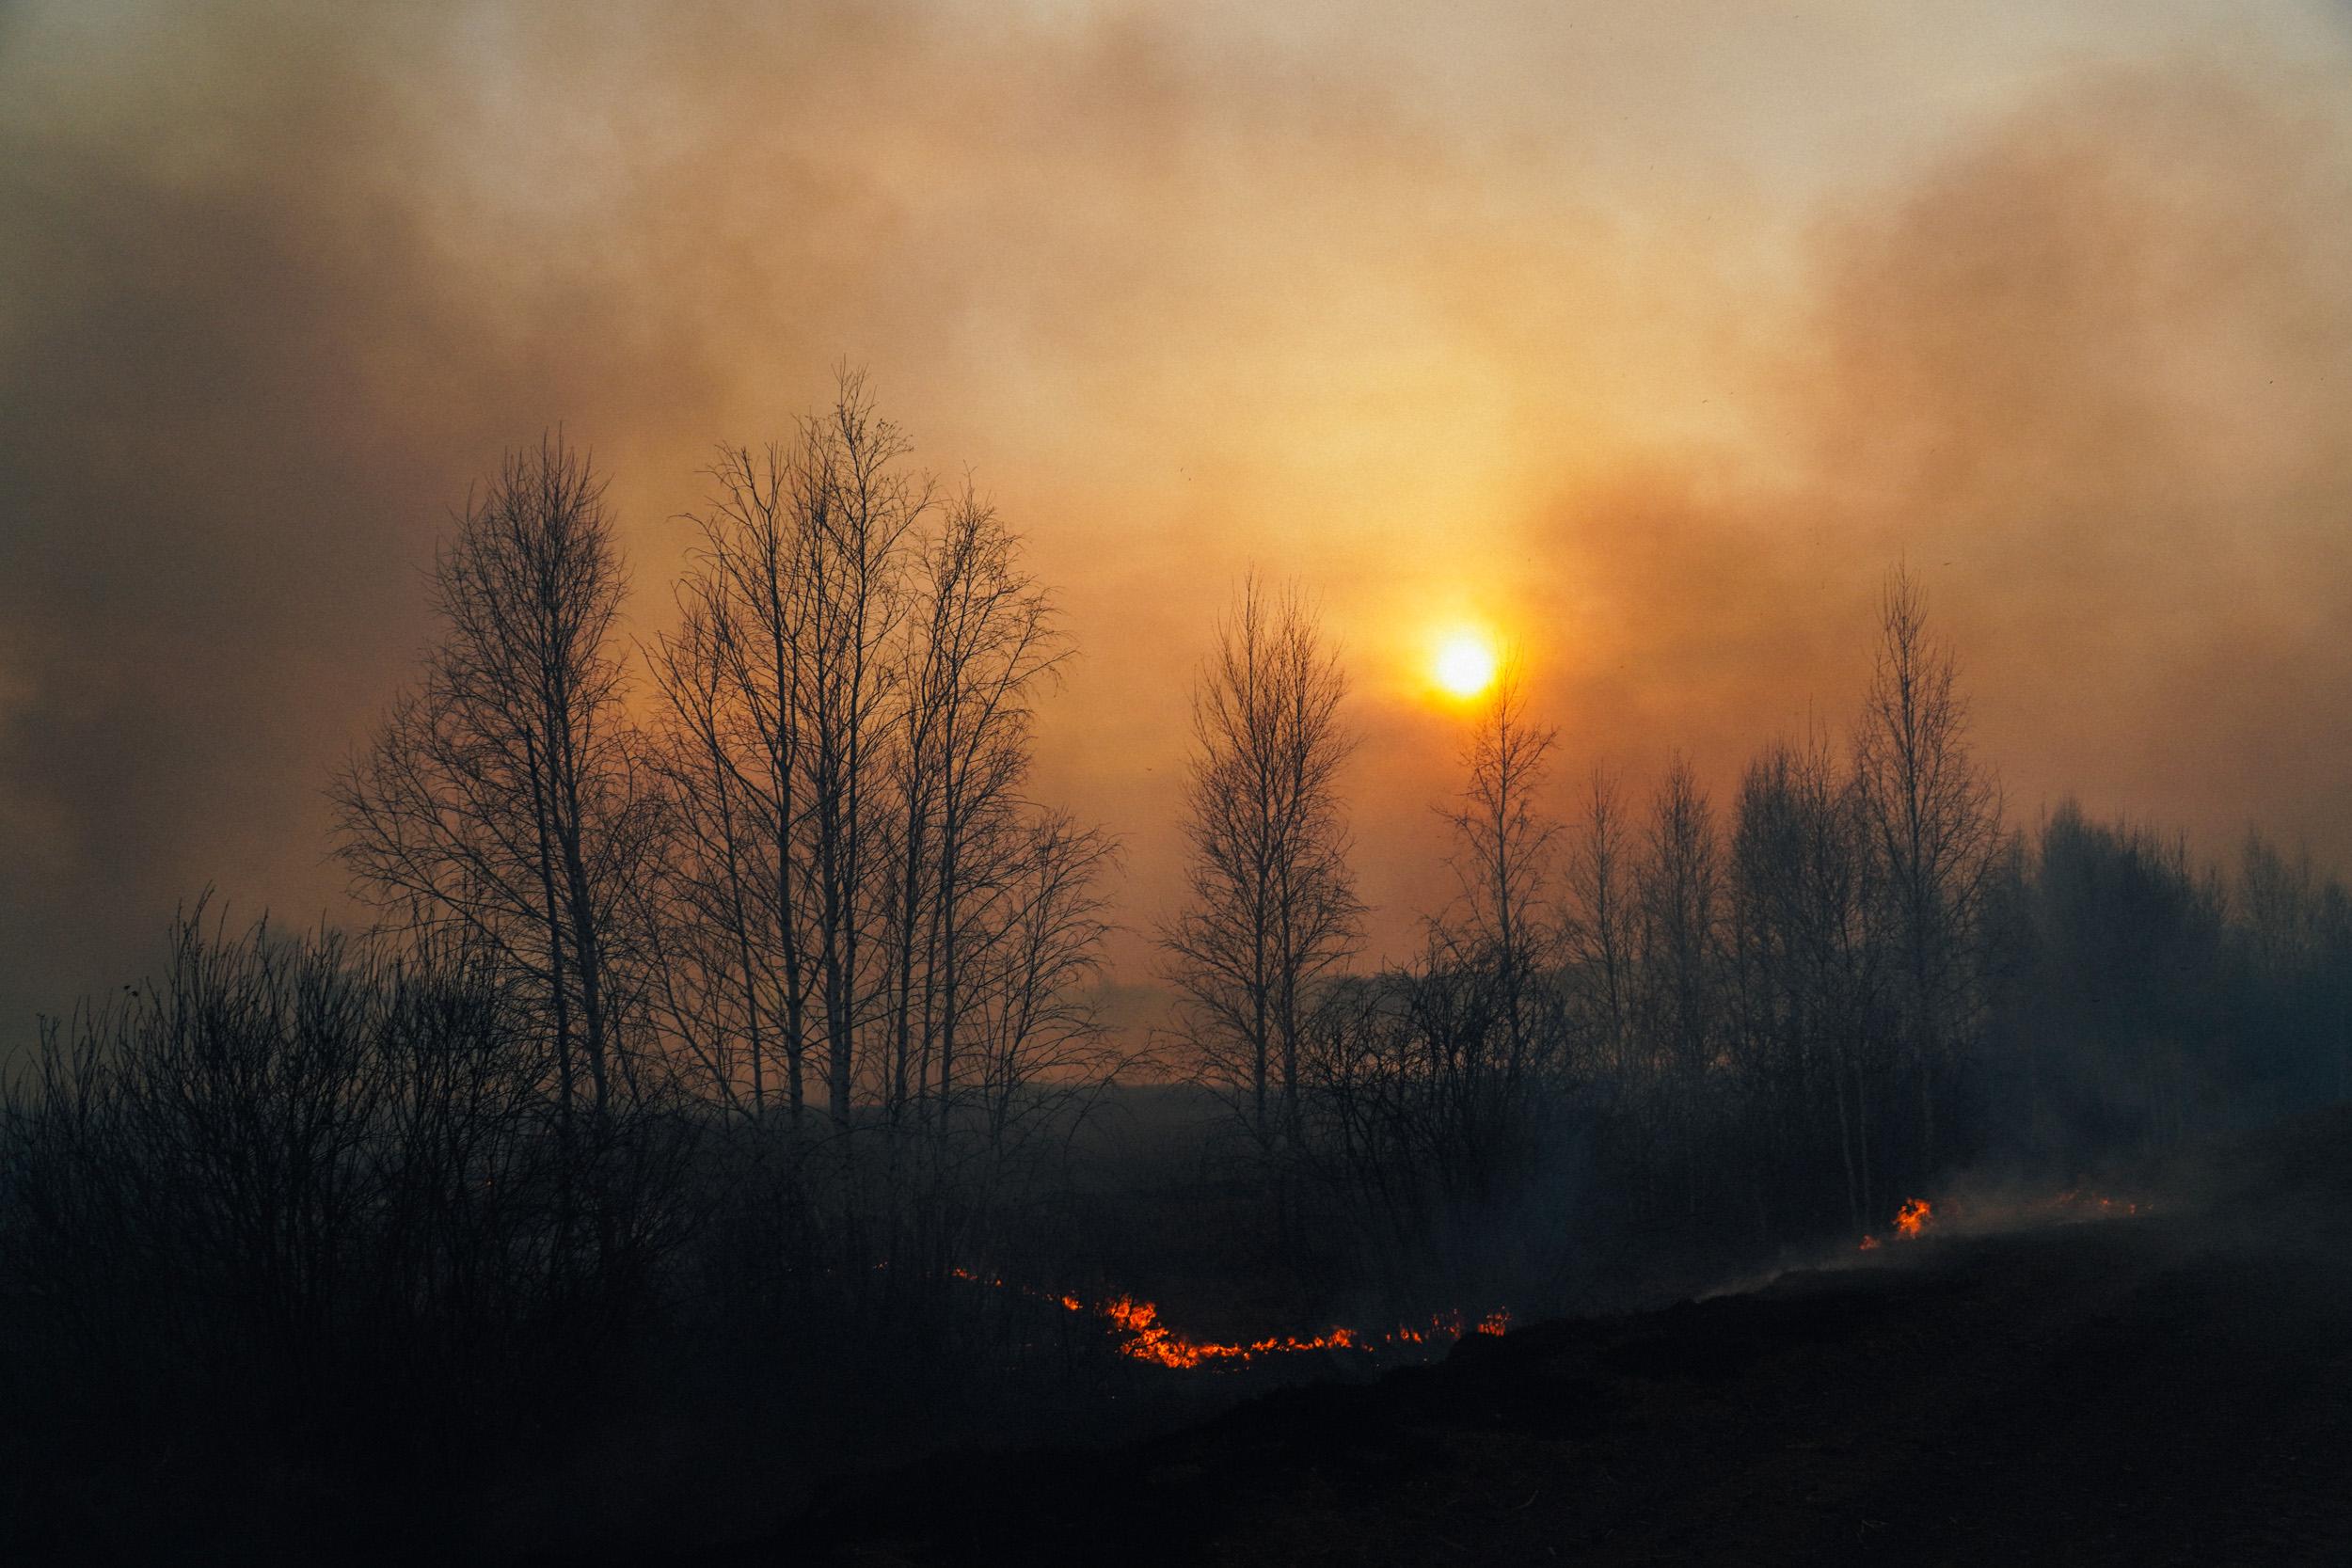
[[1650, 352]]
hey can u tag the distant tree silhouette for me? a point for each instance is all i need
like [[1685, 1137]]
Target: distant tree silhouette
[[1600, 933], [1436, 1091], [783, 690], [1679, 968], [2297, 948], [2123, 973], [504, 803], [985, 885], [856, 887], [294, 1176], [1935, 818], [1506, 922], [1808, 974], [1271, 907], [503, 796]]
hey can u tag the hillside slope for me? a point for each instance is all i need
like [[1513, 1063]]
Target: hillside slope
[[2174, 1387]]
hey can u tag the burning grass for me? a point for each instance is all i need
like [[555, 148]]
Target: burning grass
[[1149, 1339], [1911, 1220], [1144, 1337]]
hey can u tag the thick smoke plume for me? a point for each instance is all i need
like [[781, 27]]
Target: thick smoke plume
[[1556, 346]]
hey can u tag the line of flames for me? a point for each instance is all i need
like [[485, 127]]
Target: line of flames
[[1147, 1338]]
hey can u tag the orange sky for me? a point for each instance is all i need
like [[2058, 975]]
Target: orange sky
[[1648, 337]]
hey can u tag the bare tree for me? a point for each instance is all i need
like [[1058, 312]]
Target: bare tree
[[987, 642], [2294, 938], [857, 510], [1601, 933], [1934, 818], [1273, 907], [296, 1175], [991, 905], [859, 890], [737, 971], [503, 796], [1504, 846], [729, 977], [1806, 966], [1034, 930], [1438, 1087], [1679, 935], [787, 689]]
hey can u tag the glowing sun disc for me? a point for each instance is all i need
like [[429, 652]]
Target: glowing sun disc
[[1466, 664]]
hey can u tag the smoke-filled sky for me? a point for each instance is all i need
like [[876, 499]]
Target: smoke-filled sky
[[1647, 336]]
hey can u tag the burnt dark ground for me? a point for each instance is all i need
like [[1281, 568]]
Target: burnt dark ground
[[2170, 1387]]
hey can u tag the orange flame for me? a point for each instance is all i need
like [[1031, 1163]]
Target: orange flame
[[1915, 1216], [1918, 1215], [1149, 1339]]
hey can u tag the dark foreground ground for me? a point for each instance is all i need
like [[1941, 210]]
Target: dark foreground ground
[[2170, 1387]]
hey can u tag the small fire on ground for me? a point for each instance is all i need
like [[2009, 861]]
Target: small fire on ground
[[1913, 1217], [1145, 1338], [1149, 1339], [1918, 1215]]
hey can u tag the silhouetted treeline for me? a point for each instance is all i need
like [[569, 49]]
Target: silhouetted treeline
[[741, 1009], [323, 1173], [726, 1026], [2139, 999], [1760, 1023]]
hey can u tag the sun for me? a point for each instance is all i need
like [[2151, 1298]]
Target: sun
[[1466, 663]]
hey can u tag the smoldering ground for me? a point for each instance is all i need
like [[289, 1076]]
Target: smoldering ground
[[1187, 292]]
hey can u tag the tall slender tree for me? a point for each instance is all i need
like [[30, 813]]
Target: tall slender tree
[[1503, 923], [1934, 819], [1272, 906], [1679, 943], [1600, 933], [849, 726], [505, 795]]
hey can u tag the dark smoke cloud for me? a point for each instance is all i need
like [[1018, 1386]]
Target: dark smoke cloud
[[1443, 323], [2087, 377], [2094, 375], [243, 390]]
